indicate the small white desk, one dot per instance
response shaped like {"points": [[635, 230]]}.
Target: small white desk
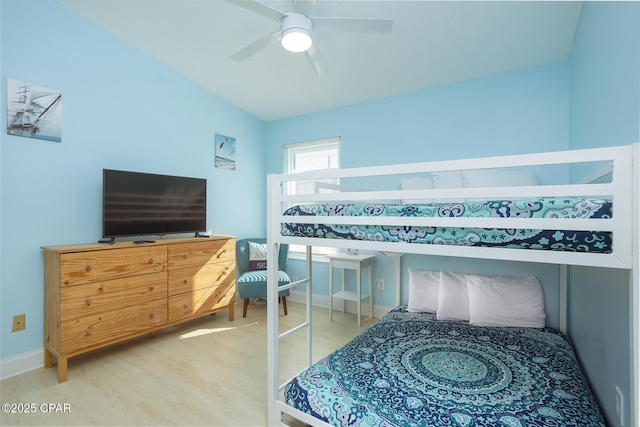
{"points": [[351, 262]]}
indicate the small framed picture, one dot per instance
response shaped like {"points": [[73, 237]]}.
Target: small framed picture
{"points": [[225, 152], [33, 111]]}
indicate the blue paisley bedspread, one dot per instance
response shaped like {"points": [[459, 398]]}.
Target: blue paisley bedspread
{"points": [[409, 369], [551, 207]]}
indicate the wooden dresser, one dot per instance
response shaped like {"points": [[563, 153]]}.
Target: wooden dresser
{"points": [[100, 294]]}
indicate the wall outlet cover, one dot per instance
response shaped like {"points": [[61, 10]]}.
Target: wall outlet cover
{"points": [[18, 322]]}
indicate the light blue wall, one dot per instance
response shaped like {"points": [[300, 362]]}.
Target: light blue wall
{"points": [[121, 110], [605, 111], [512, 113], [605, 66]]}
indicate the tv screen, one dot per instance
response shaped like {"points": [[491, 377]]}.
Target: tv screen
{"points": [[137, 204]]}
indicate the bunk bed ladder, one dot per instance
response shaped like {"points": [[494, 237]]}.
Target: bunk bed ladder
{"points": [[272, 305], [273, 346]]}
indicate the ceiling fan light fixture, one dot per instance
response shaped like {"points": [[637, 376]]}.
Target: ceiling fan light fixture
{"points": [[296, 40], [296, 32]]}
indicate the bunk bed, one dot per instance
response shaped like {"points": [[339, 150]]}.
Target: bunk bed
{"points": [[608, 195]]}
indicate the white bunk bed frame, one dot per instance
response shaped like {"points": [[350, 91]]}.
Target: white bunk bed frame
{"points": [[623, 189]]}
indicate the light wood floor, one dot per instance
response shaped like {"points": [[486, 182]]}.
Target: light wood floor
{"points": [[206, 372]]}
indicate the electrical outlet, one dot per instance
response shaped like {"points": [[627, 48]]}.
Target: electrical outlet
{"points": [[18, 322], [381, 284], [620, 406]]}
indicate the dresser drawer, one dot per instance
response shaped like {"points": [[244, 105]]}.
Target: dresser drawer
{"points": [[111, 326], [95, 266], [190, 304], [91, 298], [200, 277], [199, 253]]}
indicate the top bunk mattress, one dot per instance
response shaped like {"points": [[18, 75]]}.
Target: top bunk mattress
{"points": [[519, 238]]}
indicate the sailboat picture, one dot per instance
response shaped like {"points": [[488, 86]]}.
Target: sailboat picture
{"points": [[225, 152], [33, 111]]}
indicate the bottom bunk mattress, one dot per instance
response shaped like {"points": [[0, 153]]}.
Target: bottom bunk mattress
{"points": [[409, 369], [549, 207]]}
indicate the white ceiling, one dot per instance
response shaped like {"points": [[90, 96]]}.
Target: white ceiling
{"points": [[432, 43]]}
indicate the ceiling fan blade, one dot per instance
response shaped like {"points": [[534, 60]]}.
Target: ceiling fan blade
{"points": [[317, 61], [260, 9], [257, 46], [353, 25]]}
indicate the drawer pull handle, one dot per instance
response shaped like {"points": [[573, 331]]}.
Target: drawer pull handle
{"points": [[151, 316], [184, 256], [184, 281], [150, 260], [89, 332], [88, 301], [87, 268], [151, 289]]}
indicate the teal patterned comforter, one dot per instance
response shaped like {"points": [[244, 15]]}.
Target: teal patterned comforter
{"points": [[558, 240], [409, 369]]}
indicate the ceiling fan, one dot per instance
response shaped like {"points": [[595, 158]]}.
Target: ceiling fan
{"points": [[296, 29]]}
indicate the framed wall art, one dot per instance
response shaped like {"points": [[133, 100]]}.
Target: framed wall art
{"points": [[33, 111], [225, 152]]}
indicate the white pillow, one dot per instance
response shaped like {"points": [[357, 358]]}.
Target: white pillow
{"points": [[506, 301], [497, 178], [448, 179], [416, 184], [423, 290], [453, 297]]}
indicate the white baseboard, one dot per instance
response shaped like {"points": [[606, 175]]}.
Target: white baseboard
{"points": [[16, 365], [338, 304]]}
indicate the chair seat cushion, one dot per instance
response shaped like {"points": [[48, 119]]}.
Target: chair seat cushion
{"points": [[261, 276], [253, 284]]}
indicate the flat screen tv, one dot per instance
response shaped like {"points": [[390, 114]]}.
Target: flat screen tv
{"points": [[139, 204]]}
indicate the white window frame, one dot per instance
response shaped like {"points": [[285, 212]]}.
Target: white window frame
{"points": [[290, 153]]}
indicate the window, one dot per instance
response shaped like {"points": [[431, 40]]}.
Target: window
{"points": [[311, 156]]}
